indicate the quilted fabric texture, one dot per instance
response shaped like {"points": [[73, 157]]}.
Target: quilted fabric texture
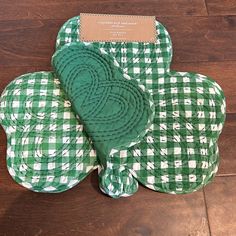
{"points": [[136, 59], [179, 154], [115, 110], [47, 149]]}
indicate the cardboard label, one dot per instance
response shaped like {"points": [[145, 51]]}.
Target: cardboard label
{"points": [[117, 28]]}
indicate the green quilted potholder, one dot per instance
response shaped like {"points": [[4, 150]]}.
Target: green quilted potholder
{"points": [[179, 153], [47, 150], [115, 110]]}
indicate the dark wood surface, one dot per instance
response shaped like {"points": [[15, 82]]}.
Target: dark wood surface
{"points": [[204, 41]]}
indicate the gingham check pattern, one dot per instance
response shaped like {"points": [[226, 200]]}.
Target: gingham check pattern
{"points": [[141, 61], [47, 149], [179, 154]]}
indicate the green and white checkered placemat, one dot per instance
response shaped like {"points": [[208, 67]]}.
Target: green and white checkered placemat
{"points": [[47, 148], [48, 151], [179, 154]]}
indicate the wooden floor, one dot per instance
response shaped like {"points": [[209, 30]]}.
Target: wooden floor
{"points": [[204, 40]]}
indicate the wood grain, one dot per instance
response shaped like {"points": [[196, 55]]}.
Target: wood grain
{"points": [[59, 9], [219, 7], [198, 39], [84, 210], [195, 39], [227, 147], [28, 42], [220, 199]]}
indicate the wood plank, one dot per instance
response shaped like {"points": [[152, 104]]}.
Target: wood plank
{"points": [[4, 176], [219, 7], [28, 42], [227, 147], [220, 200], [195, 39], [222, 72], [51, 9], [198, 39], [84, 210]]}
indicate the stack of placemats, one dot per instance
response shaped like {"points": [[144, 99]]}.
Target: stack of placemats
{"points": [[51, 150]]}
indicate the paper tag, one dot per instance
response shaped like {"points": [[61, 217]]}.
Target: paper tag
{"points": [[117, 28]]}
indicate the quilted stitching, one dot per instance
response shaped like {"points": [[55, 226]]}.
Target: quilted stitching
{"points": [[115, 109], [47, 148], [179, 154]]}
